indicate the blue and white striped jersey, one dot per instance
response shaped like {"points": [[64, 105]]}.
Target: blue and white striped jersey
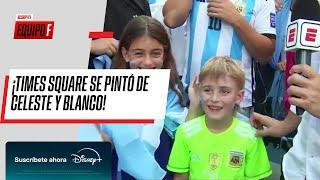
{"points": [[205, 43]]}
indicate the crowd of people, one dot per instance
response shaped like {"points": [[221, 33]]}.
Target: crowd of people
{"points": [[211, 129]]}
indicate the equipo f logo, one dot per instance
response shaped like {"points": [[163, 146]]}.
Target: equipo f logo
{"points": [[27, 28], [81, 157]]}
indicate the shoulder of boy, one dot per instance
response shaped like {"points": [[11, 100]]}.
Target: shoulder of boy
{"points": [[191, 127], [244, 129]]}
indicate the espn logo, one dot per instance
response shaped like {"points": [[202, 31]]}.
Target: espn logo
{"points": [[292, 35], [311, 34], [24, 17], [27, 28]]}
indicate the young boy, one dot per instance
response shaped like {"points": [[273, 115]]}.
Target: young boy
{"points": [[217, 145]]}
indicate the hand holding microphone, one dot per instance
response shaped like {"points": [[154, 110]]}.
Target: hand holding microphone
{"points": [[304, 91], [303, 33]]}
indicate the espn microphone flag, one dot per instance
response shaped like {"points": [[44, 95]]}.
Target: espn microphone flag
{"points": [[303, 31], [303, 34]]}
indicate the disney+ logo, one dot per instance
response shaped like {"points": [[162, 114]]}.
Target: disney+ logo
{"points": [[80, 157]]}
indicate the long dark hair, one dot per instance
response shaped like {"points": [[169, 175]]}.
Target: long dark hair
{"points": [[139, 27]]}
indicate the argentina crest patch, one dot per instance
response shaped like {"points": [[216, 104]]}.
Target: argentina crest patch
{"points": [[235, 159]]}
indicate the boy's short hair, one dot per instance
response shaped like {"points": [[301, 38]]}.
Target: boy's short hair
{"points": [[223, 66]]}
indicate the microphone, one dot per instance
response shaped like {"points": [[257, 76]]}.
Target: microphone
{"points": [[303, 33]]}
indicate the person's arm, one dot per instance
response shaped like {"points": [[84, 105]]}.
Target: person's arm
{"points": [[273, 127], [175, 12], [194, 112], [195, 109], [282, 65], [279, 4], [180, 176], [304, 91], [103, 135], [259, 46], [104, 46]]}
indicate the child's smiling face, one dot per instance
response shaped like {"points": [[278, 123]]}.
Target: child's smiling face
{"points": [[219, 96], [144, 53]]}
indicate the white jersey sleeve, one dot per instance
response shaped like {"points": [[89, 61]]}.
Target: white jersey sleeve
{"points": [[265, 17]]}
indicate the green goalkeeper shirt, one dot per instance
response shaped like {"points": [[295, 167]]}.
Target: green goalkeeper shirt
{"points": [[235, 153]]}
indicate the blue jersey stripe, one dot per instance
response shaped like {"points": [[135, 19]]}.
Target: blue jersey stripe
{"points": [[193, 19], [211, 45], [237, 45]]}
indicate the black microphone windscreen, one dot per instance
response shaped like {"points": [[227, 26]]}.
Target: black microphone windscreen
{"points": [[306, 9]]}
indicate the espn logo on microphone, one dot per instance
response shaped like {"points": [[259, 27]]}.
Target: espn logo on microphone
{"points": [[27, 28], [292, 35], [303, 34], [311, 34]]}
